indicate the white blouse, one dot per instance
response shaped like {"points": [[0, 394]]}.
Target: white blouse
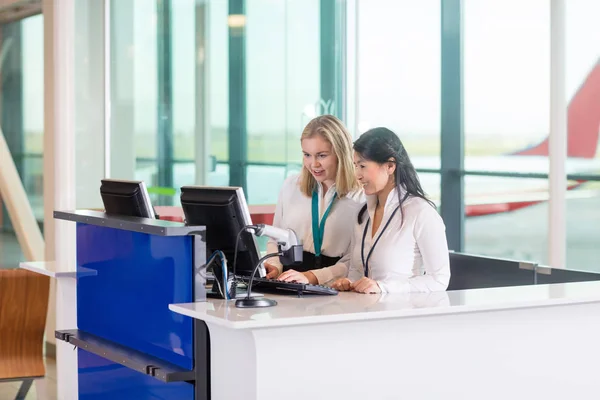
{"points": [[294, 211], [411, 255]]}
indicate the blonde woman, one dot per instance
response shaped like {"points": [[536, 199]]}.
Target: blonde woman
{"points": [[320, 205]]}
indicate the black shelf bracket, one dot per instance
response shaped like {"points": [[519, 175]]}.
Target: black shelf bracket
{"points": [[128, 357]]}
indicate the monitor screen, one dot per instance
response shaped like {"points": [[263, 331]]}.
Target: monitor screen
{"points": [[131, 198], [224, 212]]}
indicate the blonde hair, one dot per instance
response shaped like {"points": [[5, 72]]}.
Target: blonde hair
{"points": [[333, 130]]}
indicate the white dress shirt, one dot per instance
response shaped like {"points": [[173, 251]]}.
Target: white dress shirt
{"points": [[294, 211], [411, 255]]}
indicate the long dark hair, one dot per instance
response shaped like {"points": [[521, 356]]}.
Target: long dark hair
{"points": [[382, 145]]}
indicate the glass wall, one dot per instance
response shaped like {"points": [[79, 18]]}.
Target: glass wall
{"points": [[398, 63], [217, 92], [506, 114], [22, 104], [134, 91], [583, 163], [89, 103], [506, 75], [226, 87], [282, 44]]}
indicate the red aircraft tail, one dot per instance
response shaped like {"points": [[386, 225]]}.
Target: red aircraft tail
{"points": [[583, 121]]}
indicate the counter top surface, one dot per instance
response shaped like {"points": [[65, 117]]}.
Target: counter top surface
{"points": [[54, 270], [344, 307], [144, 225]]}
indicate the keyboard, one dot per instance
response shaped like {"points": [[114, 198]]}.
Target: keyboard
{"points": [[280, 287]]}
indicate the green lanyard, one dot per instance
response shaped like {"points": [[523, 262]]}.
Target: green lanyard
{"points": [[319, 229]]}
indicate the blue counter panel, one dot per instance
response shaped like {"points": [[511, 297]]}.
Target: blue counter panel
{"points": [[101, 379], [138, 276]]}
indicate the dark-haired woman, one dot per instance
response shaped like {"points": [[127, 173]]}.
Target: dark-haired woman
{"points": [[399, 243]]}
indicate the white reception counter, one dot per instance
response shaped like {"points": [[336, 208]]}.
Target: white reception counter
{"points": [[519, 342]]}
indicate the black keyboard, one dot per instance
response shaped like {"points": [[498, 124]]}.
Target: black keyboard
{"points": [[280, 287]]}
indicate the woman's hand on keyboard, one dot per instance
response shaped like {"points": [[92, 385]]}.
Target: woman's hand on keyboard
{"points": [[293, 276], [342, 284], [272, 270]]}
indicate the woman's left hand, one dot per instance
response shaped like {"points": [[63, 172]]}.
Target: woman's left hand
{"points": [[366, 285], [293, 276]]}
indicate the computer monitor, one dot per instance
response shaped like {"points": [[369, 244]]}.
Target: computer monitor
{"points": [[224, 212], [122, 197]]}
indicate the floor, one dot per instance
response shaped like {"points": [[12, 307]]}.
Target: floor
{"points": [[42, 389]]}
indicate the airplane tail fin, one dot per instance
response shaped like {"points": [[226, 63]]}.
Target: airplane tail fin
{"points": [[583, 126]]}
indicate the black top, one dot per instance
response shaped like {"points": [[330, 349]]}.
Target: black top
{"points": [[310, 261]]}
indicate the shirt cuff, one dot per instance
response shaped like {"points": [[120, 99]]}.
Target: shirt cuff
{"points": [[275, 262], [272, 248], [323, 275], [279, 266]]}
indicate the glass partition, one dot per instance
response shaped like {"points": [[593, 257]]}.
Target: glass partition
{"points": [[22, 106]]}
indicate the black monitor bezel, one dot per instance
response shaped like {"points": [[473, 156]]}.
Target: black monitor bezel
{"points": [[147, 212], [241, 209]]}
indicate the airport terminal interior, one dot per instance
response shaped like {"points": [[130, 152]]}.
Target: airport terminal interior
{"points": [[496, 101]]}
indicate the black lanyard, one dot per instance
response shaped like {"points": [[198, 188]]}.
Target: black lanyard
{"points": [[362, 248]]}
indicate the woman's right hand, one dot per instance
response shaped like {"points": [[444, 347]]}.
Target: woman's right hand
{"points": [[272, 270], [342, 284]]}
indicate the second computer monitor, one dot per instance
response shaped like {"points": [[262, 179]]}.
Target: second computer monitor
{"points": [[224, 212], [127, 198]]}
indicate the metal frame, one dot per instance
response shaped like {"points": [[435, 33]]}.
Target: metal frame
{"points": [[500, 174], [201, 352], [238, 130], [332, 58], [341, 26], [558, 142], [164, 125], [59, 174], [452, 134], [126, 356], [201, 333], [156, 227], [202, 79], [12, 102], [106, 35]]}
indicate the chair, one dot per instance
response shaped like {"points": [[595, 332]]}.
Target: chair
{"points": [[23, 307]]}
